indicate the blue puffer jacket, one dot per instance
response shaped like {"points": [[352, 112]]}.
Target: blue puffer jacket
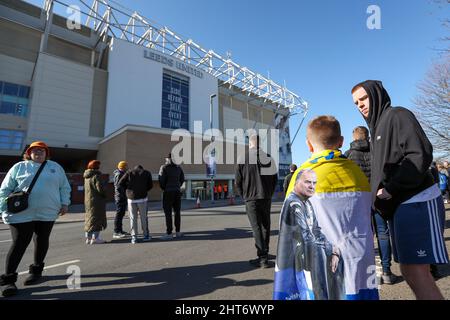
{"points": [[51, 191]]}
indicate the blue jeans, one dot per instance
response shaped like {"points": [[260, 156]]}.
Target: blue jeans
{"points": [[384, 244]]}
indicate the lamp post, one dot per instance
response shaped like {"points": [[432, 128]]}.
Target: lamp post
{"points": [[211, 97]]}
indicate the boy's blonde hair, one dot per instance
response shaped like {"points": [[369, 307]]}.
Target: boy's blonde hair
{"points": [[324, 131]]}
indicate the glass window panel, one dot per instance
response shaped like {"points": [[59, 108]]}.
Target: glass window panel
{"points": [[1, 87], [19, 133], [24, 91], [10, 89], [8, 107]]}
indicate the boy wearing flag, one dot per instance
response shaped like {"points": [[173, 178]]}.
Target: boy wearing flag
{"points": [[342, 204]]}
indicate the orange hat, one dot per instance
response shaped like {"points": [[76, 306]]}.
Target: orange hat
{"points": [[94, 164], [38, 144], [122, 165]]}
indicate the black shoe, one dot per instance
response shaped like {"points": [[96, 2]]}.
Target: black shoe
{"points": [[388, 278], [7, 283], [35, 276], [255, 262]]}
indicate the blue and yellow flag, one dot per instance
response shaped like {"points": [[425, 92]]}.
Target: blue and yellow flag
{"points": [[342, 208]]}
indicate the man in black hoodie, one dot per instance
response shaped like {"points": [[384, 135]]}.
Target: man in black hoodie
{"points": [[256, 178], [171, 178], [403, 187], [360, 153]]}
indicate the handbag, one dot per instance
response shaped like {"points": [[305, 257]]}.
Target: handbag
{"points": [[18, 201]]}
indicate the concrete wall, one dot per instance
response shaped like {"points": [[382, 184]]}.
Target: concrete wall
{"points": [[60, 111], [135, 90]]}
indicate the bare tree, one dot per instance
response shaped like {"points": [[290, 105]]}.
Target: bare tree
{"points": [[433, 106]]}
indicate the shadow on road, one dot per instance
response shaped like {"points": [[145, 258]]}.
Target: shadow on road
{"points": [[224, 234], [170, 283]]}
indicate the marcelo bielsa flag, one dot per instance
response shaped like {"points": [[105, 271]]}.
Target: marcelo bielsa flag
{"points": [[338, 216]]}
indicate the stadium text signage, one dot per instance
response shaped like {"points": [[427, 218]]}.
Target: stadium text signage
{"points": [[172, 63]]}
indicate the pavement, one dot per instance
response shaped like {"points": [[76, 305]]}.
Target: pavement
{"points": [[209, 262]]}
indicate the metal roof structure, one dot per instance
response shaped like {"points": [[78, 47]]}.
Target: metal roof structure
{"points": [[108, 21]]}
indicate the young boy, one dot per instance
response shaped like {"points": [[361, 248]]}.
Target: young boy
{"points": [[342, 204]]}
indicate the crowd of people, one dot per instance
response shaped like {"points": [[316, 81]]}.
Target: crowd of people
{"points": [[386, 185]]}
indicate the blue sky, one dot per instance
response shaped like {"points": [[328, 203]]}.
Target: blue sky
{"points": [[320, 48]]}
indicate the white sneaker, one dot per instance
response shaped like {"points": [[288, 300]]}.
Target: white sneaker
{"points": [[97, 241], [88, 241], [167, 237]]}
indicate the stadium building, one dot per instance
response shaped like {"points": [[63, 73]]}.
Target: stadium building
{"points": [[101, 83]]}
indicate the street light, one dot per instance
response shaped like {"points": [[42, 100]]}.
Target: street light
{"points": [[211, 97]]}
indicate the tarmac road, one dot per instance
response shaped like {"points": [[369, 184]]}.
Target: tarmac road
{"points": [[209, 262]]}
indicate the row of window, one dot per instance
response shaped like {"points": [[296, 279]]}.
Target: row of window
{"points": [[11, 139], [14, 99]]}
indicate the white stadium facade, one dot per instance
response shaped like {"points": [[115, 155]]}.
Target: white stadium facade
{"points": [[106, 84]]}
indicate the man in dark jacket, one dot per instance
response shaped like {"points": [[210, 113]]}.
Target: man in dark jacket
{"points": [[288, 178], [256, 179], [137, 183], [171, 178], [403, 187], [121, 200], [360, 153]]}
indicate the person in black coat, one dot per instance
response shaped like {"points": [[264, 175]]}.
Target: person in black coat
{"points": [[360, 153], [404, 190], [256, 177], [171, 178]]}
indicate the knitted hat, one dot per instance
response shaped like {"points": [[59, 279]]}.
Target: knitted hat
{"points": [[94, 164], [122, 165], [37, 144]]}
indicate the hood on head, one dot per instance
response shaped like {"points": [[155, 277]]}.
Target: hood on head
{"points": [[89, 173], [379, 101]]}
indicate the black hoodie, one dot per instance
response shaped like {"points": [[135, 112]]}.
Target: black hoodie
{"points": [[401, 152]]}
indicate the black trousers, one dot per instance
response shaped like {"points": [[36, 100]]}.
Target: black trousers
{"points": [[172, 200], [121, 207], [21, 236], [258, 212]]}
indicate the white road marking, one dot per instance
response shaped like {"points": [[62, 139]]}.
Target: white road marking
{"points": [[54, 266]]}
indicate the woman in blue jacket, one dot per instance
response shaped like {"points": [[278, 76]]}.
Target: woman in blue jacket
{"points": [[49, 198]]}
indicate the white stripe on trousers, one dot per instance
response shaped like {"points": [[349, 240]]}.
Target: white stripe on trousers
{"points": [[440, 228], [436, 232]]}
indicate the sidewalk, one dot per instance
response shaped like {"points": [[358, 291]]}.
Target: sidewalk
{"points": [[76, 212]]}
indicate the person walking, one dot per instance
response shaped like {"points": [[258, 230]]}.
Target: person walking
{"points": [[404, 190], [48, 199], [288, 178], [256, 179], [95, 203], [171, 178], [120, 199], [359, 152], [137, 183]]}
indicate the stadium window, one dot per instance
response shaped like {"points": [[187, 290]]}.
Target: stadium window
{"points": [[8, 107], [11, 139], [14, 99], [24, 92], [10, 89]]}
